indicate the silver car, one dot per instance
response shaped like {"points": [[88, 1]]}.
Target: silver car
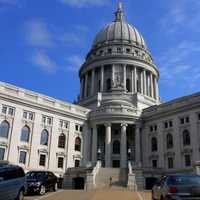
{"points": [[12, 182], [177, 187]]}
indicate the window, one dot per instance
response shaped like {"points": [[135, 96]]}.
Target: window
{"points": [[186, 138], [199, 116], [4, 129], [116, 147], [8, 110], [187, 119], [60, 162], [170, 123], [128, 85], [64, 124], [77, 127], [2, 153], [154, 144], [108, 84], [22, 157], [61, 141], [42, 160], [77, 144], [77, 163], [44, 137], [109, 50], [119, 49], [25, 134], [166, 124], [184, 120], [81, 129], [47, 120], [154, 163], [28, 115], [170, 162], [169, 141], [128, 50], [187, 160]]}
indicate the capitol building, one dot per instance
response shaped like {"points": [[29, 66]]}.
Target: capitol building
{"points": [[119, 128]]}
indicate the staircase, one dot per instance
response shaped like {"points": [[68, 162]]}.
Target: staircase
{"points": [[119, 178]]}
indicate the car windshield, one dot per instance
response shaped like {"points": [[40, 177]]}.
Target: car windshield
{"points": [[184, 180], [35, 175]]}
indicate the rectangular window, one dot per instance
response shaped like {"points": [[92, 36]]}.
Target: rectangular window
{"points": [[11, 111], [182, 121], [187, 119], [155, 128], [166, 124], [30, 115], [170, 162], [81, 128], [154, 163], [22, 157], [2, 153], [199, 116], [4, 109], [25, 115], [64, 124], [187, 160], [170, 123], [42, 160], [77, 127], [60, 162], [77, 163], [47, 120]]}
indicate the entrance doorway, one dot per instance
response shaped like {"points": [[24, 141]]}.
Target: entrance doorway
{"points": [[116, 163], [79, 183]]}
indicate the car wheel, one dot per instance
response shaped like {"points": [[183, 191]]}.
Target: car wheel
{"points": [[42, 190], [55, 188], [20, 196]]}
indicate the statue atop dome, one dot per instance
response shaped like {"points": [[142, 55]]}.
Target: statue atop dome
{"points": [[119, 13]]}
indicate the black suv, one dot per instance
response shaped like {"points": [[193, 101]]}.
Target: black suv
{"points": [[12, 182], [41, 182]]}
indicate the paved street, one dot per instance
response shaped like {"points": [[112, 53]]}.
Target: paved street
{"points": [[93, 195]]}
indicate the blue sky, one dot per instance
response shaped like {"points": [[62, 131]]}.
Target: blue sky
{"points": [[43, 42]]}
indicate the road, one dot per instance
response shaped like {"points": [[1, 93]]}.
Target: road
{"points": [[92, 195]]}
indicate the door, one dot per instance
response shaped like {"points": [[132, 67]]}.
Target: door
{"points": [[116, 164]]}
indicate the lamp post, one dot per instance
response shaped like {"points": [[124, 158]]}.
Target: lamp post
{"points": [[99, 154], [129, 154]]}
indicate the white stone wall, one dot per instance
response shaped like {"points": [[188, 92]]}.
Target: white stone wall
{"points": [[22, 100]]}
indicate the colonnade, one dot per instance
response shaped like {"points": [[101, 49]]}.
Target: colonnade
{"points": [[123, 143], [140, 80]]}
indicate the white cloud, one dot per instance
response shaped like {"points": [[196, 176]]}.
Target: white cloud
{"points": [[74, 63], [38, 34], [84, 3], [44, 62], [181, 14]]}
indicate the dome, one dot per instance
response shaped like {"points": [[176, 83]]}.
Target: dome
{"points": [[119, 30]]}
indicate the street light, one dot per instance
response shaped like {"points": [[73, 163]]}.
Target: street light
{"points": [[99, 154], [129, 154]]}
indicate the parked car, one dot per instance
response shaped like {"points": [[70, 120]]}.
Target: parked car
{"points": [[12, 182], [177, 187], [41, 181]]}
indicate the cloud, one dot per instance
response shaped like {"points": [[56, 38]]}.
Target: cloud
{"points": [[44, 62], [37, 34], [175, 64], [74, 63], [181, 14], [84, 3]]}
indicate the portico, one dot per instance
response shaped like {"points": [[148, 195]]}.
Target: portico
{"points": [[114, 143]]}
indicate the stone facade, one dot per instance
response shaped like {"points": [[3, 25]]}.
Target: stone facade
{"points": [[119, 121]]}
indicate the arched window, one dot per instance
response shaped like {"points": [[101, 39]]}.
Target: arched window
{"points": [[116, 147], [61, 141], [78, 144], [128, 85], [4, 129], [154, 144], [25, 134], [108, 84], [44, 137], [169, 141], [186, 137]]}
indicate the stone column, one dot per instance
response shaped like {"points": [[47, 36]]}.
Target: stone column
{"points": [[108, 145], [94, 143], [137, 146], [144, 82], [156, 88], [132, 81], [102, 78], [141, 83], [93, 81], [86, 84], [135, 79], [124, 69], [123, 148], [151, 84]]}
